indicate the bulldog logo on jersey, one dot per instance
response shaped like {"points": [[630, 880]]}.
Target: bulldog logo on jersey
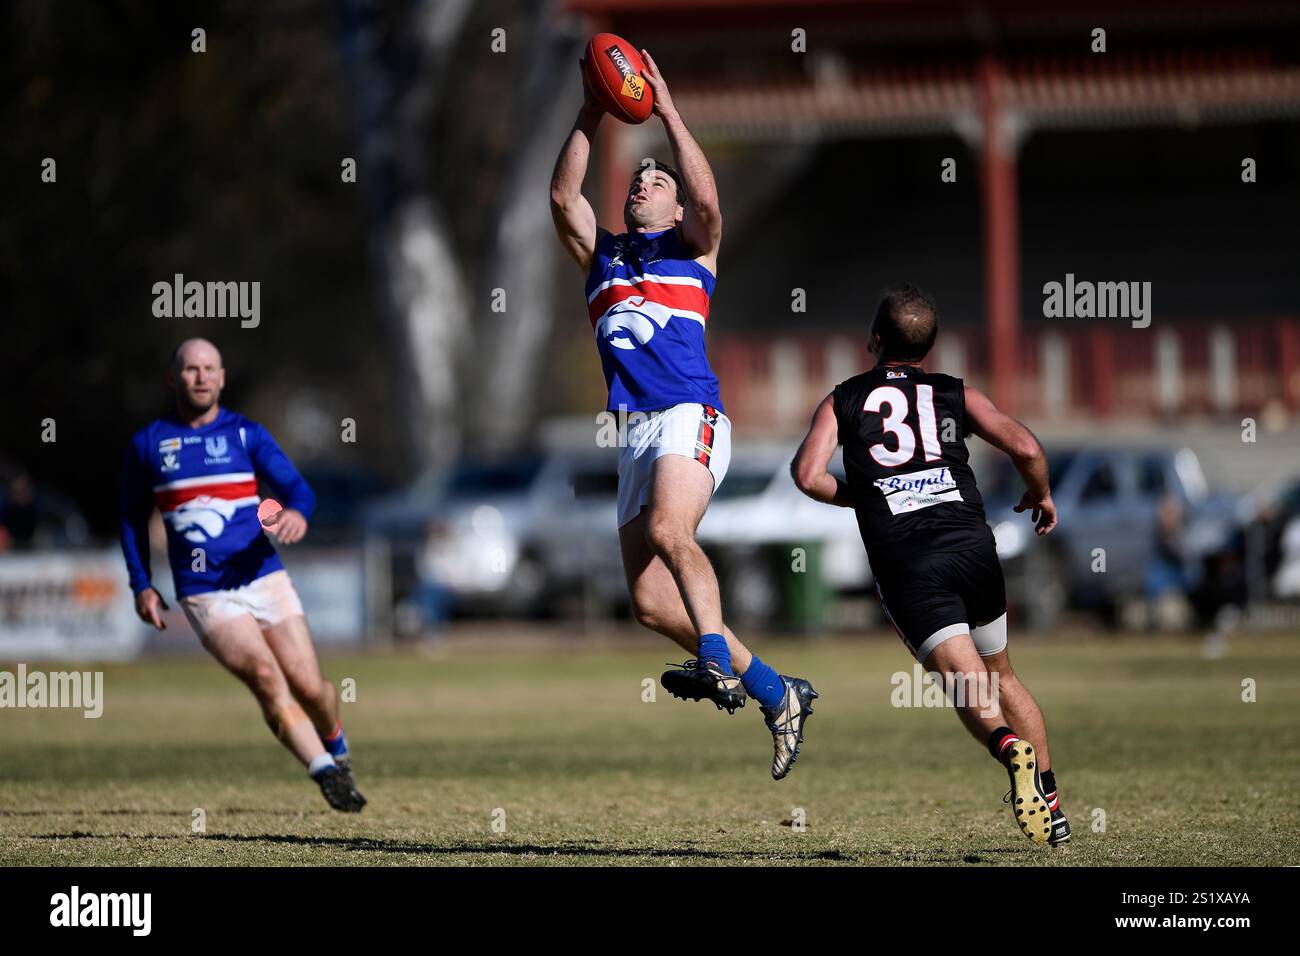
{"points": [[631, 323], [202, 519]]}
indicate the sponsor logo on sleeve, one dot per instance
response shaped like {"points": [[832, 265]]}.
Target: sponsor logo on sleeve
{"points": [[169, 450]]}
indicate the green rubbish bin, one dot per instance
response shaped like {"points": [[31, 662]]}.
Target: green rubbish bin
{"points": [[805, 597]]}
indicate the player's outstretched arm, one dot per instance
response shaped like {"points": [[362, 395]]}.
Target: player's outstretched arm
{"points": [[271, 463], [135, 507], [809, 465], [702, 216], [575, 222], [1019, 444]]}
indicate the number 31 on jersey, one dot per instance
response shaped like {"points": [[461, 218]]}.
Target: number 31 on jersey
{"points": [[891, 403]]}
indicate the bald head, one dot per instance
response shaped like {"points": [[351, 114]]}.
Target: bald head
{"points": [[194, 348], [197, 376], [905, 325]]}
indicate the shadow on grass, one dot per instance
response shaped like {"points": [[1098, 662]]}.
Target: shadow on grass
{"points": [[688, 850], [127, 812], [950, 858]]}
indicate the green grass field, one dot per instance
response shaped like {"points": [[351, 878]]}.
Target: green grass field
{"points": [[1146, 730]]}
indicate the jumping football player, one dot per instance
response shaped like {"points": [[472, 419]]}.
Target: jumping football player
{"points": [[200, 469], [922, 520], [647, 296]]}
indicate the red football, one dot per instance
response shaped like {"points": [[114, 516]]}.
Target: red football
{"points": [[616, 74]]}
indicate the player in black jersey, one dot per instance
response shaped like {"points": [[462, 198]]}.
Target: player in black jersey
{"points": [[931, 550]]}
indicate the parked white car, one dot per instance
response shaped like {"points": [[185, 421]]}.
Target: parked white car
{"points": [[757, 505]]}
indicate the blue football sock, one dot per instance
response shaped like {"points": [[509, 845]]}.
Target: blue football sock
{"points": [[763, 684], [713, 648], [336, 743]]}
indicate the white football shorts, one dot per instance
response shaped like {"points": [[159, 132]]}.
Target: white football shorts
{"points": [[270, 599], [696, 431]]}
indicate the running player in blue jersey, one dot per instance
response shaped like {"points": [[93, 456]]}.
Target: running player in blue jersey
{"points": [[931, 550], [200, 469], [647, 294]]}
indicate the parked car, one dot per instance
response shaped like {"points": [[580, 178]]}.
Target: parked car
{"points": [[341, 496], [757, 507], [526, 535], [497, 535], [1108, 501]]}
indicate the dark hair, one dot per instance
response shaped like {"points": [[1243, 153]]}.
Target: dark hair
{"points": [[652, 163], [906, 322]]}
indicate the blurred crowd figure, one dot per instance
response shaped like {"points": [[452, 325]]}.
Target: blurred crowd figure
{"points": [[1276, 539], [1223, 593], [1183, 586], [18, 518], [32, 519], [1168, 569]]}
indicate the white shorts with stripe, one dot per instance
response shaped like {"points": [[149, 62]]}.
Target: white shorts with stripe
{"points": [[696, 431]]}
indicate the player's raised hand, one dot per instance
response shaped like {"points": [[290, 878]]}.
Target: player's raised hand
{"points": [[663, 100], [288, 525], [1043, 512], [147, 605]]}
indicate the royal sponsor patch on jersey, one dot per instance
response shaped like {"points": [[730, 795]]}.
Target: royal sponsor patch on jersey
{"points": [[920, 489]]}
